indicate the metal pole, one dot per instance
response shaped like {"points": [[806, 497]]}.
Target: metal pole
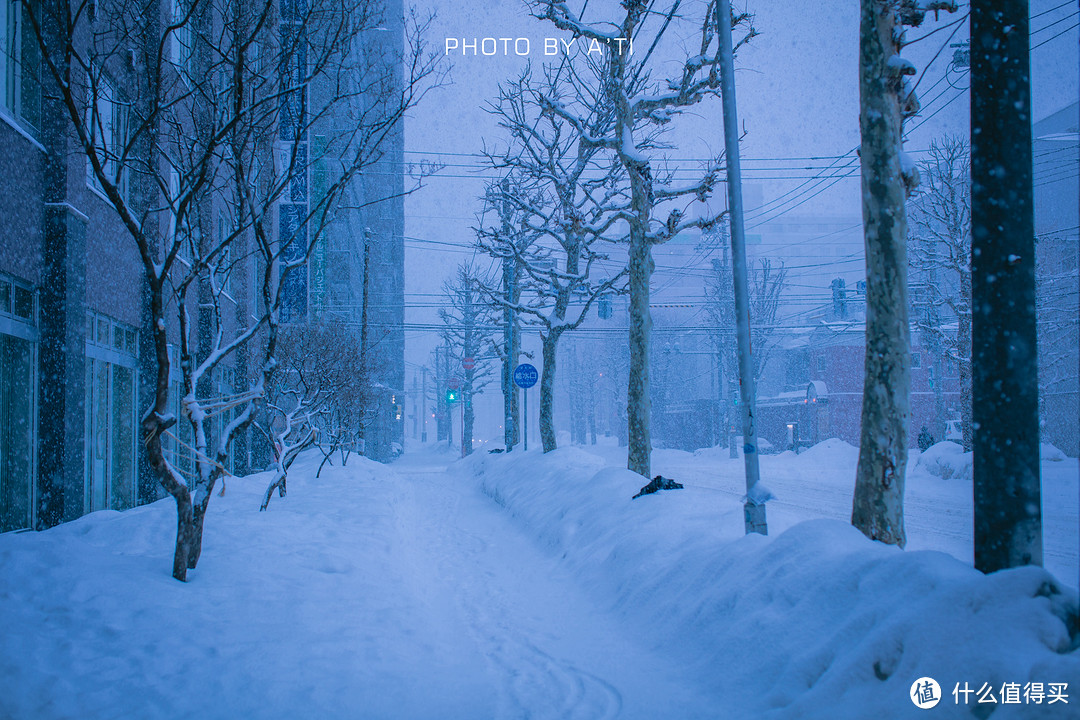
{"points": [[423, 404], [525, 420], [1004, 377], [753, 510]]}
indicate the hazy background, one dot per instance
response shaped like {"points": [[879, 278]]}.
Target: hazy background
{"points": [[797, 93]]}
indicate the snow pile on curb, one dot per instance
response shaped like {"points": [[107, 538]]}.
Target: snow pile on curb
{"points": [[817, 622], [946, 460], [1051, 453]]}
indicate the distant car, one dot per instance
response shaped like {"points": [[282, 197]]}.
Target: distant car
{"points": [[953, 431]]}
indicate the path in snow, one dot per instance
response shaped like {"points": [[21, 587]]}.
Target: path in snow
{"points": [[374, 592], [548, 651]]}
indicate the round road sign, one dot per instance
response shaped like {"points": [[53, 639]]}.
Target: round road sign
{"points": [[525, 376]]}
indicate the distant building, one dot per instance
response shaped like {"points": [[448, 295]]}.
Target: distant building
{"points": [[824, 386]]}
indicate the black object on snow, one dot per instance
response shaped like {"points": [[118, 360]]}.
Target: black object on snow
{"points": [[658, 483]]}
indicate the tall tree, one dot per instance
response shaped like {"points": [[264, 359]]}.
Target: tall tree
{"points": [[940, 258], [767, 285], [886, 98], [469, 333], [568, 197], [642, 106]]}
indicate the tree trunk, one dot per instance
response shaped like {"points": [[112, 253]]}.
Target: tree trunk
{"points": [[468, 414], [547, 391], [963, 343], [185, 536], [276, 483], [198, 516], [638, 403], [878, 505]]}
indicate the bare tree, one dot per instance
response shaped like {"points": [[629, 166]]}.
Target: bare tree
{"points": [[568, 196], [206, 112], [1058, 310], [469, 333], [316, 397], [641, 107], [886, 98], [766, 290], [940, 260]]}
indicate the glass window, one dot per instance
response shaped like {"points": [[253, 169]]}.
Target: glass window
{"points": [[20, 65], [16, 432], [7, 67], [122, 418], [181, 46], [98, 431], [5, 296], [23, 305], [29, 101], [110, 436]]}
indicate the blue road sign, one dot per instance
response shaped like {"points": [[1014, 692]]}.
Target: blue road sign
{"points": [[525, 376]]}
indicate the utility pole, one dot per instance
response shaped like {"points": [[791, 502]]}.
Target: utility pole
{"points": [[365, 435], [511, 333], [440, 396], [449, 410], [754, 507], [423, 404], [1005, 387]]}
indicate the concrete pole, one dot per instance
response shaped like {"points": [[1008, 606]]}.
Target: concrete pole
{"points": [[1004, 358], [753, 510]]}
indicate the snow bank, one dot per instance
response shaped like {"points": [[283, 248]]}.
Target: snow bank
{"points": [[946, 460], [817, 622], [833, 452], [1051, 453]]}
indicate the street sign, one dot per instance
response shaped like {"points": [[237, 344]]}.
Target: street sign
{"points": [[525, 376], [468, 363], [454, 383]]}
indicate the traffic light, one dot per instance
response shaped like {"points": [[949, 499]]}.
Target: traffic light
{"points": [[451, 397]]}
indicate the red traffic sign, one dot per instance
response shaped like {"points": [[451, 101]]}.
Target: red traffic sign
{"points": [[468, 363], [454, 383]]}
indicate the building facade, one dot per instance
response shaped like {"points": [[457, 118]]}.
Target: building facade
{"points": [[77, 361]]}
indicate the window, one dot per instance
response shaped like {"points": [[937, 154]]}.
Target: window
{"points": [[20, 65], [916, 360], [17, 391], [110, 414], [181, 45], [16, 431], [107, 123]]}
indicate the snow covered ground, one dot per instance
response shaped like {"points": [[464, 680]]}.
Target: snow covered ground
{"points": [[532, 586]]}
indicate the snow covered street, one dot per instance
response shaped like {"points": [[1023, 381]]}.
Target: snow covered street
{"points": [[524, 586]]}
